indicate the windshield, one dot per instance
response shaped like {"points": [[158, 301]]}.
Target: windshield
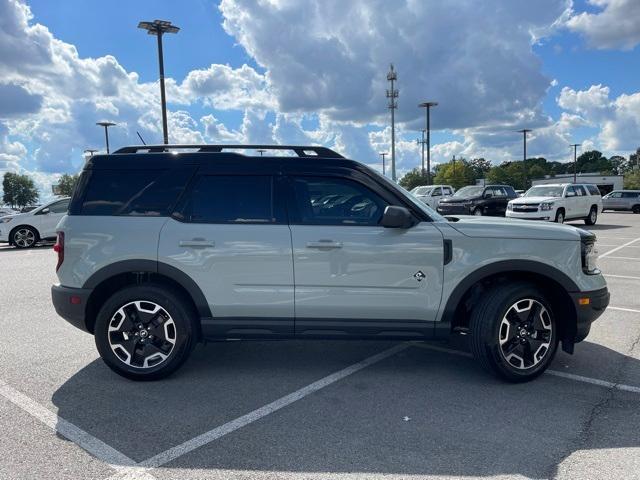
{"points": [[545, 191], [435, 216], [422, 190], [469, 192]]}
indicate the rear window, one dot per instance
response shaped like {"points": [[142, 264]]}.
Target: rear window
{"points": [[230, 199], [593, 190], [132, 192]]}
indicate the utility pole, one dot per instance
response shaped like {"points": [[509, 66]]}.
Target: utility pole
{"points": [[158, 28], [524, 132], [575, 161], [106, 126], [383, 154], [421, 142], [392, 95], [427, 106], [261, 151]]}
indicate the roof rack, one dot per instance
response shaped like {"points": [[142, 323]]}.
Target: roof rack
{"points": [[301, 151]]}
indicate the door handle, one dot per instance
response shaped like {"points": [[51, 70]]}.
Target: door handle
{"points": [[197, 243], [328, 244]]}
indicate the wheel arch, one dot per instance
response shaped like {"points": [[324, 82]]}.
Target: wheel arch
{"points": [[555, 284], [111, 278]]}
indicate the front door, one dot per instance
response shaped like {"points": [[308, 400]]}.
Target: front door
{"points": [[47, 222], [354, 276], [233, 241]]}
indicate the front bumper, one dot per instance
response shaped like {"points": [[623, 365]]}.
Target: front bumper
{"points": [[71, 304], [546, 215], [589, 306]]}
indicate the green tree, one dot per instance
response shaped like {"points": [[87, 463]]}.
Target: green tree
{"points": [[413, 178], [632, 180], [457, 173], [66, 184], [480, 167], [18, 190]]}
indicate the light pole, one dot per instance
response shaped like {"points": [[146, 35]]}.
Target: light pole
{"points": [[392, 94], [524, 132], [575, 161], [106, 126], [261, 151], [421, 142], [427, 106], [158, 28], [383, 154]]}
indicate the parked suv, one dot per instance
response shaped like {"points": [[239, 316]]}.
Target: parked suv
{"points": [[25, 230], [622, 200], [165, 246], [557, 203], [478, 200], [431, 194]]}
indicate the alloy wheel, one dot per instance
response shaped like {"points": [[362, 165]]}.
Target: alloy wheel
{"points": [[525, 334], [24, 238], [593, 216], [142, 334]]}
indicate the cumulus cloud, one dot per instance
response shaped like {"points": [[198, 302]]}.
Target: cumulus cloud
{"points": [[615, 25]]}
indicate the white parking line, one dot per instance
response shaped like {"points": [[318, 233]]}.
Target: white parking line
{"points": [[624, 309], [84, 440], [621, 276], [577, 378], [634, 259], [618, 248], [133, 473]]}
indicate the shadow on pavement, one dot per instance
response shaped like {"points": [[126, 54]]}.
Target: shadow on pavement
{"points": [[461, 421]]}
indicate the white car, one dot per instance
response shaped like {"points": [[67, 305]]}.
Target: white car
{"points": [[24, 230], [557, 203], [431, 194]]}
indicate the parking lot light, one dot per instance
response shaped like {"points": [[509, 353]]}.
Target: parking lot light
{"points": [[106, 126]]}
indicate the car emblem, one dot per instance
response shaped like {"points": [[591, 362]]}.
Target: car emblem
{"points": [[419, 276]]}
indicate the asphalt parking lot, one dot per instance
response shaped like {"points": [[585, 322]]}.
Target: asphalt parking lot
{"points": [[317, 410]]}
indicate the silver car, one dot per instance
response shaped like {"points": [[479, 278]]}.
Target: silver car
{"points": [[622, 200]]}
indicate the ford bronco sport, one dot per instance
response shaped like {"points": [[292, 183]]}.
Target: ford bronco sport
{"points": [[164, 246]]}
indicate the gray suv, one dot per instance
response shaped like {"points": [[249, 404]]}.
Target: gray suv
{"points": [[622, 200], [165, 246]]}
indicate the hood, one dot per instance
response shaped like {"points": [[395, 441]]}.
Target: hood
{"points": [[497, 227], [534, 199], [459, 199]]}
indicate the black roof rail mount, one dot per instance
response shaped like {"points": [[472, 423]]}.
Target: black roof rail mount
{"points": [[306, 151]]}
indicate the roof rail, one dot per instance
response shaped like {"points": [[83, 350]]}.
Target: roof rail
{"points": [[300, 150]]}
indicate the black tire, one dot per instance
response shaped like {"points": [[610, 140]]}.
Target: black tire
{"points": [[487, 331], [593, 216], [635, 209], [24, 236], [560, 216], [175, 316], [477, 211]]}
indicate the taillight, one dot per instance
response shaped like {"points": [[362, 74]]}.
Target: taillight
{"points": [[59, 249]]}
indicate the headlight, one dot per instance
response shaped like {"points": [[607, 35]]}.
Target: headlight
{"points": [[509, 206], [5, 220], [546, 206], [589, 253]]}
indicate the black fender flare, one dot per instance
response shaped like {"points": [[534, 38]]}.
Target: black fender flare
{"points": [[505, 266], [151, 266]]}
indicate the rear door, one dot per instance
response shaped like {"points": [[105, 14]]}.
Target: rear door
{"points": [[353, 275], [231, 237]]}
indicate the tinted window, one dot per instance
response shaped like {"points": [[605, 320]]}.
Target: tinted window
{"points": [[571, 192], [336, 201], [133, 192], [580, 190], [630, 194], [230, 199], [498, 191], [593, 190], [446, 190], [437, 192], [59, 207]]}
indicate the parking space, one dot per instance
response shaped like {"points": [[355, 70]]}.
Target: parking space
{"points": [[317, 409]]}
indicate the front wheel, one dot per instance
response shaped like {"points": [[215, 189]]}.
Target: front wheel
{"points": [[593, 216], [145, 332], [478, 212], [513, 332], [560, 216]]}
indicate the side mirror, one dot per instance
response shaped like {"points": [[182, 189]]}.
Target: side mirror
{"points": [[44, 211], [396, 217]]}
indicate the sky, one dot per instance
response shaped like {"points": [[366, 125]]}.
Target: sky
{"points": [[314, 72]]}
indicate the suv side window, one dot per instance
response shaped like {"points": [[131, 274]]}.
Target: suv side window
{"points": [[499, 192], [580, 191], [437, 192], [630, 195], [336, 201], [593, 190], [446, 191], [570, 192], [59, 207], [230, 199]]}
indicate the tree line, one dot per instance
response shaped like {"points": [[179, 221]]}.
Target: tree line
{"points": [[520, 173], [20, 190]]}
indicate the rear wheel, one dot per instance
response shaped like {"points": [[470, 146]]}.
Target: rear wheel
{"points": [[593, 216], [635, 209], [145, 332], [24, 237], [560, 216], [513, 332], [478, 212]]}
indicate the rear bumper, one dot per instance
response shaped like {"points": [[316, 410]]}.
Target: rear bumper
{"points": [[71, 304], [589, 306]]}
